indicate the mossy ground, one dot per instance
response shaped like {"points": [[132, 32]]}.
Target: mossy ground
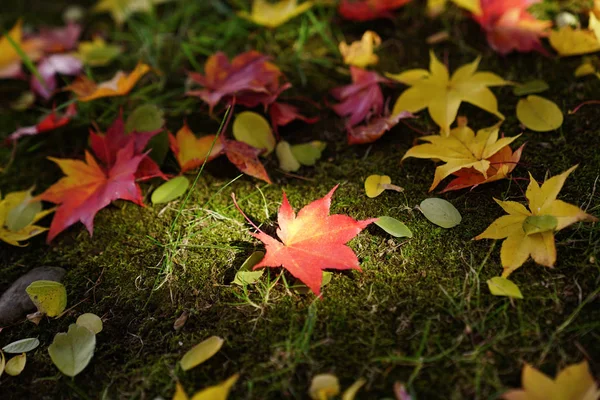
{"points": [[420, 311]]}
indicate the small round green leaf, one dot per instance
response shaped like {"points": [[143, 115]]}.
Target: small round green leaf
{"points": [[21, 346], [440, 212], [71, 352], [245, 275], [170, 190], [503, 287], [308, 153], [539, 114], [539, 223], [90, 321], [287, 160], [201, 352], [48, 296], [253, 129], [15, 365], [23, 214], [145, 118], [535, 86], [393, 227]]}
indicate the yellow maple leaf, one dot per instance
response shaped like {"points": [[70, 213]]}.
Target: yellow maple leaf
{"points": [[572, 383], [10, 61], [442, 94], [462, 148], [7, 204], [119, 85], [272, 15], [360, 53], [568, 41], [217, 392], [121, 10], [530, 231]]}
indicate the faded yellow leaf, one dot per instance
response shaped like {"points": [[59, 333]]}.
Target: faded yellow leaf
{"points": [[272, 15], [15, 365], [361, 52], [9, 203], [568, 41], [539, 114]]}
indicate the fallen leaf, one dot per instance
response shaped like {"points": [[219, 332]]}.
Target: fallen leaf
{"points": [[539, 114], [575, 382], [71, 352], [145, 118], [245, 275], [49, 297], [570, 41], [181, 320], [97, 53], [360, 99], [273, 15], [361, 52], [48, 123], [287, 160], [9, 203], [2, 363], [16, 365], [586, 68], [442, 94], [90, 321], [191, 151], [282, 114], [462, 148], [87, 188], [365, 10], [121, 10], [375, 128], [23, 213], [531, 87], [217, 392], [245, 158], [324, 387], [376, 184], [350, 393], [311, 241], [440, 212], [201, 352], [48, 68], [254, 130], [500, 286], [59, 40], [518, 246], [10, 60], [509, 26], [308, 153], [21, 346], [393, 227], [120, 85], [170, 190], [435, 7]]}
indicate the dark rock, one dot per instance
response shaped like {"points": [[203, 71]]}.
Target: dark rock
{"points": [[15, 303]]}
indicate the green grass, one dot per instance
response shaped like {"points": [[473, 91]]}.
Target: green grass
{"points": [[419, 312]]}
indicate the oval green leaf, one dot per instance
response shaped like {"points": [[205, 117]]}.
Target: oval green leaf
{"points": [[170, 190], [71, 352], [535, 86], [503, 287], [308, 153], [23, 214], [287, 161], [48, 296], [440, 212], [15, 365], [253, 129], [393, 227], [374, 184], [90, 321], [201, 352], [539, 114], [145, 118], [539, 223], [21, 346]]}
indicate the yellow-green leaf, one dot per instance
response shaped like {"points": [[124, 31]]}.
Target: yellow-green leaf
{"points": [[308, 153], [217, 392], [48, 296], [71, 352], [15, 365], [22, 346], [531, 87], [393, 227], [170, 190], [23, 214], [440, 212], [245, 275], [324, 387], [253, 129], [145, 118], [287, 160], [201, 352], [90, 321], [97, 53], [503, 287], [539, 114], [539, 223]]}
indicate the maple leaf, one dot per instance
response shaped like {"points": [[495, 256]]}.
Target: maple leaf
{"points": [[282, 114], [442, 94], [361, 52], [191, 151], [509, 26], [65, 64], [87, 188], [575, 382], [59, 40], [375, 128], [502, 164], [245, 158], [50, 122], [249, 78], [106, 148], [360, 99], [311, 241], [365, 10], [119, 85], [9, 202], [10, 60], [121, 10], [530, 232], [461, 149], [568, 41], [272, 15]]}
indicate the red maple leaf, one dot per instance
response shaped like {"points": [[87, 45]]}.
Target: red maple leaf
{"points": [[87, 188], [509, 26], [360, 99], [502, 163], [249, 78], [375, 128], [282, 114], [365, 10], [106, 147], [311, 241], [50, 122], [245, 158]]}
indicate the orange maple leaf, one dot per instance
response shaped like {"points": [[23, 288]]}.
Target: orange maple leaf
{"points": [[119, 85], [191, 151]]}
